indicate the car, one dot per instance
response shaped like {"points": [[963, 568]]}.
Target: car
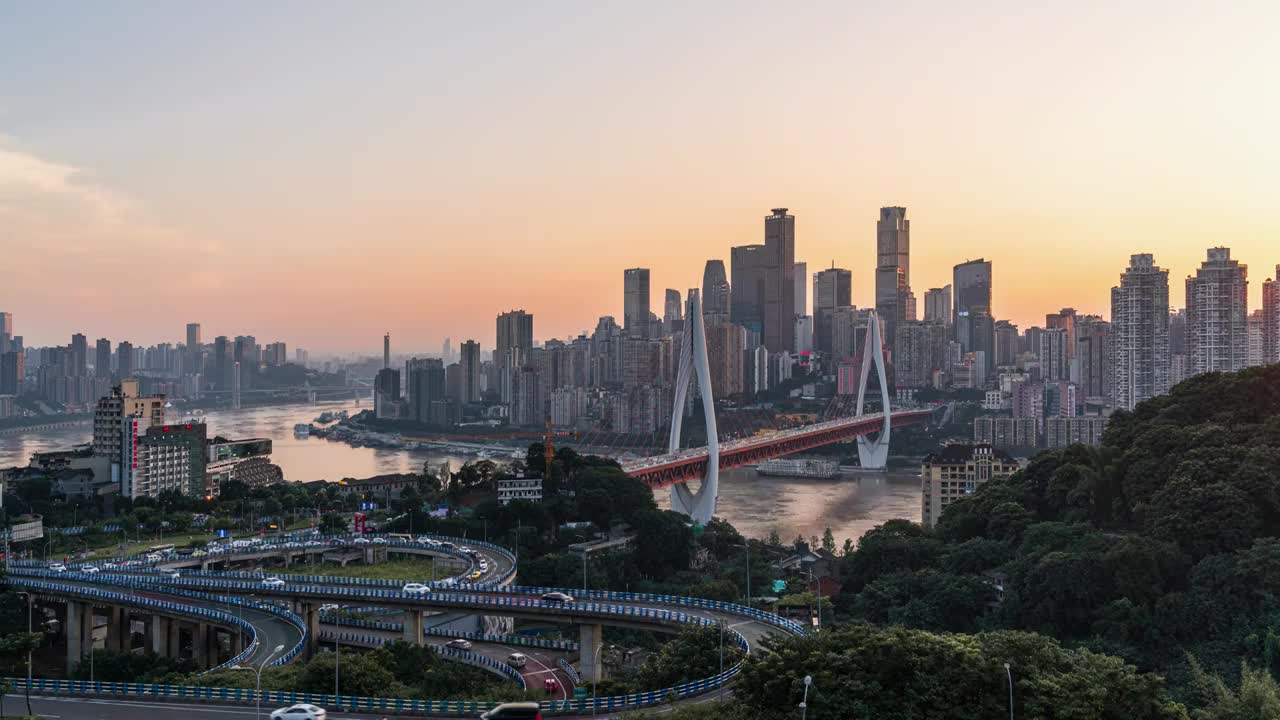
{"points": [[58, 567], [154, 557], [361, 541], [273, 582], [459, 644], [415, 588], [380, 541], [484, 567], [448, 582], [301, 711], [314, 543], [517, 660], [476, 575], [88, 569], [171, 574], [110, 566], [514, 711], [199, 553], [464, 549], [328, 607], [557, 597], [424, 540]]}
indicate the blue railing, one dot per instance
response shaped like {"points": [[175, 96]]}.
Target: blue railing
{"points": [[522, 640], [469, 658]]}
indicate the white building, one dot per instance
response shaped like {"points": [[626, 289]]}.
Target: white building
{"points": [[1140, 327], [519, 488]]}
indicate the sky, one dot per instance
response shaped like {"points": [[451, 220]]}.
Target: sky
{"points": [[324, 172]]}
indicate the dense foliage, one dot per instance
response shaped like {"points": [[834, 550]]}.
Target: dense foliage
{"points": [[1162, 542]]}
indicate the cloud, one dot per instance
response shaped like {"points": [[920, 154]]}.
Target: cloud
{"points": [[32, 186]]}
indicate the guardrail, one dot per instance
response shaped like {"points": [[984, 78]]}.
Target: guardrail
{"points": [[521, 640], [570, 670], [469, 658]]}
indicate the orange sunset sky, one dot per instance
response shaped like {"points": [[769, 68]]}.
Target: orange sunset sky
{"points": [[323, 172]]}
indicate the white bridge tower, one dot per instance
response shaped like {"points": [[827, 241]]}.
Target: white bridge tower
{"points": [[700, 506], [874, 454]]}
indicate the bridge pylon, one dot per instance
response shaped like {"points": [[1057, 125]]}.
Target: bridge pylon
{"points": [[700, 506], [874, 454]]}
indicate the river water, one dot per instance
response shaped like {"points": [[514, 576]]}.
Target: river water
{"points": [[755, 505]]}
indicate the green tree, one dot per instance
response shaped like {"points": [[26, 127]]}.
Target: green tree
{"points": [[828, 541]]}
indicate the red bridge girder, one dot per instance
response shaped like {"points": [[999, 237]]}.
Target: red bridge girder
{"points": [[695, 468]]}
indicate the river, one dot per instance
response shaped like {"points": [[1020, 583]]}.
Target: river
{"points": [[755, 505]]}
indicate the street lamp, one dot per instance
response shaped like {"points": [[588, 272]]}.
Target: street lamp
{"points": [[746, 546], [595, 656], [804, 703], [1009, 673], [30, 602], [258, 673]]}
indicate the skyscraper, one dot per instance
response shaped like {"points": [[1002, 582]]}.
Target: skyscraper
{"points": [[1271, 318], [514, 338], [673, 313], [1054, 361], [893, 268], [972, 317], [124, 359], [79, 355], [1093, 366], [832, 290], [102, 358], [748, 265], [386, 350], [1065, 319], [937, 305], [635, 302], [470, 362], [193, 337], [778, 326], [6, 331], [715, 289], [1218, 314], [426, 384], [802, 289], [1140, 333]]}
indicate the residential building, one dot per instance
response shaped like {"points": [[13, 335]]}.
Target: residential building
{"points": [[1065, 319], [568, 405], [386, 393], [1028, 400], [113, 410], [956, 471], [11, 373], [425, 380], [635, 302], [1140, 333], [1065, 431], [1217, 314], [1257, 345], [1271, 318], [527, 401], [520, 487], [1055, 361], [160, 458], [1008, 343], [1007, 433], [470, 361], [725, 344], [919, 350], [1092, 368], [102, 358], [937, 305]]}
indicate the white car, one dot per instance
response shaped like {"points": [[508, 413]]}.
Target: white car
{"points": [[58, 567], [171, 574], [301, 711], [110, 566], [88, 569], [154, 557], [380, 541], [361, 541], [328, 607], [464, 549], [273, 582], [415, 588], [459, 644], [424, 540], [558, 597]]}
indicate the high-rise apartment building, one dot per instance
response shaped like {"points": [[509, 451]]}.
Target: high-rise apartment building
{"points": [[635, 302], [11, 373], [919, 351], [1093, 367], [124, 360], [893, 267], [193, 337], [426, 383], [159, 458], [386, 350], [725, 345], [778, 327], [832, 289], [1257, 346], [1140, 333], [527, 402], [1271, 318], [956, 471], [937, 305], [79, 348], [109, 422], [1055, 363], [386, 393], [514, 338], [1065, 319], [1217, 314], [470, 361], [1008, 343], [6, 332], [716, 293], [102, 358], [972, 318]]}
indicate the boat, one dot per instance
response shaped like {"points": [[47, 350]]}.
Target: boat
{"points": [[802, 468], [302, 429]]}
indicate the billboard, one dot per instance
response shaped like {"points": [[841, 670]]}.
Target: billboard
{"points": [[27, 529]]}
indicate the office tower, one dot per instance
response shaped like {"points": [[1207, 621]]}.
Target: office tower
{"points": [[446, 351], [102, 358], [11, 371], [893, 267], [937, 305], [124, 359], [514, 338], [801, 305], [1271, 318], [453, 382], [1065, 319], [1094, 367], [470, 362], [386, 393], [716, 293], [778, 323], [972, 318], [246, 351], [635, 302], [221, 379], [79, 355], [748, 265], [1217, 314], [919, 351], [832, 289], [426, 380], [1007, 343], [386, 350], [1055, 364], [193, 337], [672, 313], [1140, 328], [6, 331]]}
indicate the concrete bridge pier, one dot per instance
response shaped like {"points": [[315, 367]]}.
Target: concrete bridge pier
{"points": [[118, 639], [200, 645], [310, 614], [590, 640], [75, 633], [413, 627], [158, 641]]}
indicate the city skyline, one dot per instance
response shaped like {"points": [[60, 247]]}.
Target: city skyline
{"points": [[399, 185]]}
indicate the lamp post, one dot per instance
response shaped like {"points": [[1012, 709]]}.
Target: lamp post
{"points": [[1009, 673], [594, 675], [720, 627], [258, 673], [804, 702], [746, 546], [30, 602]]}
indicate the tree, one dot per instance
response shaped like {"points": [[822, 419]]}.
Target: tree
{"points": [[333, 524], [692, 655], [828, 541]]}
